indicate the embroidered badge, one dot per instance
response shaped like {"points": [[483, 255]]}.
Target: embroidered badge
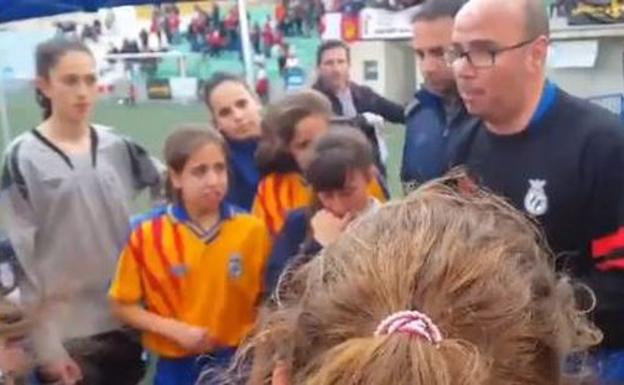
{"points": [[235, 266], [179, 271], [536, 201]]}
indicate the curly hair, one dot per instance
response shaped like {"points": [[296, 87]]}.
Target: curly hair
{"points": [[479, 269]]}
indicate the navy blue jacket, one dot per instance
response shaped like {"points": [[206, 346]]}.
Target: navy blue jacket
{"points": [[291, 242], [430, 137], [244, 174]]}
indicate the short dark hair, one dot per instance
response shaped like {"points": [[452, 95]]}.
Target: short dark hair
{"points": [[536, 22], [438, 9], [331, 44], [216, 80], [336, 153]]}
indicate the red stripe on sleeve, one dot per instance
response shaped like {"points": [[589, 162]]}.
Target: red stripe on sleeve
{"points": [[616, 264], [277, 187], [157, 225], [137, 252], [179, 244], [262, 198], [607, 245]]}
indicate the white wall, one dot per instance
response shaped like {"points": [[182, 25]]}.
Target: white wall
{"points": [[398, 75], [606, 77], [395, 65]]}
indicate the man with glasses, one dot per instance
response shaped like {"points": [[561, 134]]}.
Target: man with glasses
{"points": [[556, 157], [437, 114]]}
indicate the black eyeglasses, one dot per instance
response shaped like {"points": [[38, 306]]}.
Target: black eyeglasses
{"points": [[481, 57]]}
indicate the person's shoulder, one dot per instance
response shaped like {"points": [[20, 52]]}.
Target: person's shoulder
{"points": [[361, 89], [272, 177], [23, 148], [240, 218], [297, 218], [597, 128], [108, 135], [588, 116], [423, 99], [19, 142], [147, 217]]}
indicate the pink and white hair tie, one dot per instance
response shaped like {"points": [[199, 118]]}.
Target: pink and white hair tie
{"points": [[410, 322]]}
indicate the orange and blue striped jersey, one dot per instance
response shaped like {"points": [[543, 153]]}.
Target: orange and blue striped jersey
{"points": [[280, 193], [211, 279]]}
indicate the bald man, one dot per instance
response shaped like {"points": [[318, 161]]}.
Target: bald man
{"points": [[556, 157]]}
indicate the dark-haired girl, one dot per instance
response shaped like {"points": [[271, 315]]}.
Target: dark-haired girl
{"points": [[68, 186], [236, 113]]}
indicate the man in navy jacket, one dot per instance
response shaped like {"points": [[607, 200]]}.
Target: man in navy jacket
{"points": [[436, 117]]}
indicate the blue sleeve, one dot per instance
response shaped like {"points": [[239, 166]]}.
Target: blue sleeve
{"points": [[286, 247], [155, 212]]}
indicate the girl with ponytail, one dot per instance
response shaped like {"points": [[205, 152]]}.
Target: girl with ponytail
{"points": [[68, 185], [446, 287]]}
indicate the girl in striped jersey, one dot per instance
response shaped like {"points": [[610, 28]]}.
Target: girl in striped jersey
{"points": [[290, 129], [191, 277]]}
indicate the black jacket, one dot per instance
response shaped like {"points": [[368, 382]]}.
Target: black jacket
{"points": [[365, 100]]}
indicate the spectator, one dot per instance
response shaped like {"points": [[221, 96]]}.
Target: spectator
{"points": [[267, 38], [262, 83], [554, 156], [256, 36], [215, 43], [144, 38], [349, 99], [173, 26], [216, 14], [282, 57], [280, 16]]}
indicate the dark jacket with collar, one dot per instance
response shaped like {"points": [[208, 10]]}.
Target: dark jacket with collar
{"points": [[293, 242], [365, 100], [431, 138]]}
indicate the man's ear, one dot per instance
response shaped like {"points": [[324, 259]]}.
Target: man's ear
{"points": [[539, 53]]}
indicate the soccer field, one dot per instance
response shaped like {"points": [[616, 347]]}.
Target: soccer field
{"points": [[149, 124]]}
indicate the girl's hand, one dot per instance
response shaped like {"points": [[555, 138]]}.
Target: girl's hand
{"points": [[327, 227], [194, 339]]}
